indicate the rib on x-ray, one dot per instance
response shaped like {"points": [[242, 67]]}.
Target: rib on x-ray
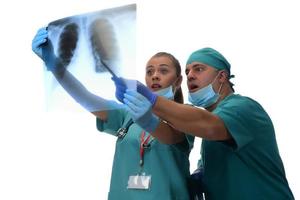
{"points": [[93, 47]]}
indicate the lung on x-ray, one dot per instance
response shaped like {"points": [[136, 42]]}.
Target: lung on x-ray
{"points": [[92, 47]]}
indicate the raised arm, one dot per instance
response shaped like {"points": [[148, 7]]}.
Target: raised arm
{"points": [[93, 103], [184, 118], [192, 120]]}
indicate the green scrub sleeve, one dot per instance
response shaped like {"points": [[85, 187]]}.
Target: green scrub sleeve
{"points": [[239, 120], [115, 120]]}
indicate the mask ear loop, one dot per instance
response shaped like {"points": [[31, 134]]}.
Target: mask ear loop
{"points": [[220, 88]]}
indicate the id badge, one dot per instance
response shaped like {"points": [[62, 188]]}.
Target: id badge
{"points": [[141, 182]]}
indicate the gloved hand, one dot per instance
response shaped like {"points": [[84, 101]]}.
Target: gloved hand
{"points": [[43, 47], [39, 39], [140, 110], [121, 86]]}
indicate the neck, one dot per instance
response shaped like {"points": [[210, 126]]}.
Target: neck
{"points": [[226, 91]]}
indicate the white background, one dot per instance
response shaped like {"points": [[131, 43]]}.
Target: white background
{"points": [[59, 155]]}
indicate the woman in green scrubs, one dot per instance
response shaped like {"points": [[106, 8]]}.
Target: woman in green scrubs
{"points": [[144, 167], [153, 170]]}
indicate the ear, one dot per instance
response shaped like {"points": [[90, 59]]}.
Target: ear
{"points": [[223, 76], [178, 82]]}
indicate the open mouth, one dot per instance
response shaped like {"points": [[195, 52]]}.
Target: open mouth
{"points": [[193, 88], [155, 87]]}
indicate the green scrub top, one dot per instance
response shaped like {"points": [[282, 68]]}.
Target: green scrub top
{"points": [[249, 167], [168, 165]]}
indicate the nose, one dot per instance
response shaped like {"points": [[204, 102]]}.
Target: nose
{"points": [[155, 76], [190, 76]]}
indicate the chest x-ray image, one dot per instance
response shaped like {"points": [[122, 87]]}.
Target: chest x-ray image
{"points": [[92, 47]]}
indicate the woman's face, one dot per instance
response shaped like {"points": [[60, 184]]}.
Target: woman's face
{"points": [[161, 73]]}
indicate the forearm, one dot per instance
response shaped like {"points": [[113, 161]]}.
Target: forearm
{"points": [[191, 120], [167, 135], [81, 95]]}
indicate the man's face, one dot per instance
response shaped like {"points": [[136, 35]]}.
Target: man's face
{"points": [[199, 75]]}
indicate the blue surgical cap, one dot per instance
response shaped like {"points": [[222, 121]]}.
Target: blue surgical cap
{"points": [[210, 57]]}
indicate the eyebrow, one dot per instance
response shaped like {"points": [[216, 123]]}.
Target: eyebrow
{"points": [[161, 65], [199, 65], [194, 66]]}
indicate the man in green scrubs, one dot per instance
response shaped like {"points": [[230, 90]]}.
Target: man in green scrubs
{"points": [[239, 154]]}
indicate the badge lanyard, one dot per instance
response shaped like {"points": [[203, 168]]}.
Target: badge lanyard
{"points": [[141, 181], [144, 143]]}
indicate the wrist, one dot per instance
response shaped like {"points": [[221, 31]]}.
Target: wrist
{"points": [[152, 124], [153, 99]]}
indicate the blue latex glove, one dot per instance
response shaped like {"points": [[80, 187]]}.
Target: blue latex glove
{"points": [[43, 47], [39, 39], [140, 110], [121, 86]]}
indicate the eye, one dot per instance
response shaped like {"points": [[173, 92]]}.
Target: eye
{"points": [[149, 72], [187, 72], [164, 71], [199, 69]]}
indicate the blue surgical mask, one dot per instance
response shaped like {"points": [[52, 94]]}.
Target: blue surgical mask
{"points": [[204, 97], [166, 92]]}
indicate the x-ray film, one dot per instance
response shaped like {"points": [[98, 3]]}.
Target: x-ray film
{"points": [[92, 47]]}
